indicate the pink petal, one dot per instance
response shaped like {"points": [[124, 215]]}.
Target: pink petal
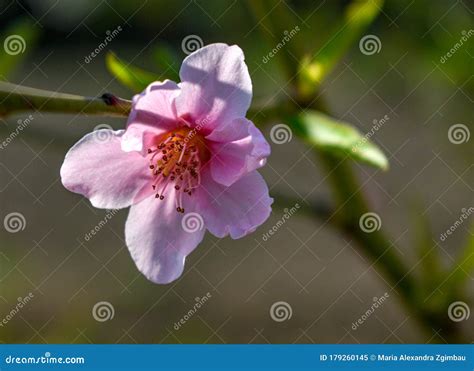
{"points": [[138, 137], [153, 111], [236, 210], [237, 149], [157, 240], [97, 168], [216, 86]]}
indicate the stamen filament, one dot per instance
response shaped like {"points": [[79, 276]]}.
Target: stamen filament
{"points": [[177, 160]]}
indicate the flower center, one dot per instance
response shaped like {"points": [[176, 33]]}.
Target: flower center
{"points": [[176, 161]]}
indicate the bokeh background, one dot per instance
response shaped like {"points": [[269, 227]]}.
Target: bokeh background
{"points": [[320, 273]]}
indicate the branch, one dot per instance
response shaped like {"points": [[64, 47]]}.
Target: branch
{"points": [[351, 206], [16, 98]]}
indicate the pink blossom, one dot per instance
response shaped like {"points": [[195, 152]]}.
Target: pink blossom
{"points": [[186, 162]]}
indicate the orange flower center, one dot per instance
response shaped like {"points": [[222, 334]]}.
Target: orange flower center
{"points": [[177, 161]]}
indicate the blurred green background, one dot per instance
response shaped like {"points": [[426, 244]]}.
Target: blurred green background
{"points": [[327, 282]]}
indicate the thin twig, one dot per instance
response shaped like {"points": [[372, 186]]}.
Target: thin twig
{"points": [[15, 99]]}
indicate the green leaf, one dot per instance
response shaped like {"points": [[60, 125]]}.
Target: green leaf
{"points": [[17, 41], [337, 137], [132, 77], [167, 62], [357, 17]]}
